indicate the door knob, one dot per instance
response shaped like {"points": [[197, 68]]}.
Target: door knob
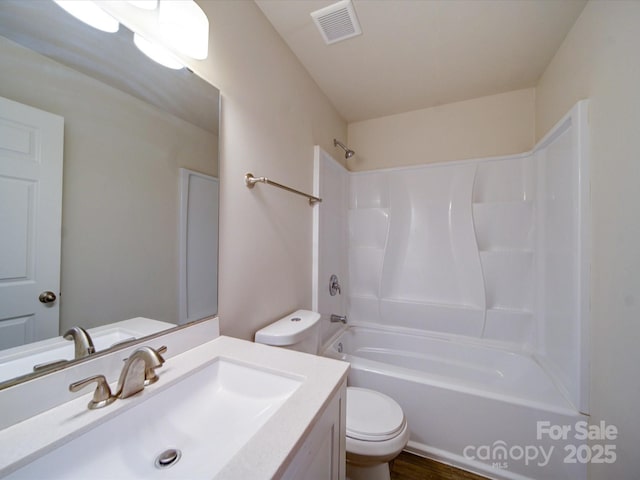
{"points": [[47, 297]]}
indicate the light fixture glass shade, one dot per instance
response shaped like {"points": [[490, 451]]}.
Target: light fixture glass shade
{"points": [[185, 27], [156, 53], [144, 4], [90, 13]]}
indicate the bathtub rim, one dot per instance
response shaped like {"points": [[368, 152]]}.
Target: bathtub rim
{"points": [[567, 408], [506, 347]]}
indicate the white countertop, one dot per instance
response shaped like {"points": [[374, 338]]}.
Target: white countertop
{"points": [[266, 454]]}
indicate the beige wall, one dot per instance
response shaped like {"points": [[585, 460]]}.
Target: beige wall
{"points": [[483, 127], [599, 60], [272, 115], [120, 190]]}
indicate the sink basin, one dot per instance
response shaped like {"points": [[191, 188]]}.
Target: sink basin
{"points": [[20, 360], [208, 416]]}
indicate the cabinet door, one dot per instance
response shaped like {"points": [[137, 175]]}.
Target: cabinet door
{"points": [[322, 455]]}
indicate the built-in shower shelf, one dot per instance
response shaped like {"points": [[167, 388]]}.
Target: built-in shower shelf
{"points": [[504, 205], [509, 325], [505, 180], [510, 311], [506, 251], [503, 255], [507, 203], [361, 296], [430, 303], [366, 209], [508, 276], [366, 247]]}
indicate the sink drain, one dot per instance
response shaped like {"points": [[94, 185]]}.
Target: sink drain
{"points": [[168, 458]]}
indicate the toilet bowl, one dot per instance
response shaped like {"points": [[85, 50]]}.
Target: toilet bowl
{"points": [[377, 432], [376, 427]]}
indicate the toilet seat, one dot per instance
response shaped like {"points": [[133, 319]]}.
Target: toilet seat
{"points": [[373, 416]]}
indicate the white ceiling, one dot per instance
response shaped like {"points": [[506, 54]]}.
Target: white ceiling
{"points": [[420, 53]]}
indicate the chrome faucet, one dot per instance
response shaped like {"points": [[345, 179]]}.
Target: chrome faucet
{"points": [[338, 318], [83, 348], [81, 340], [139, 371]]}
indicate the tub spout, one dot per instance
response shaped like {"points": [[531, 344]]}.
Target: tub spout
{"points": [[338, 318]]}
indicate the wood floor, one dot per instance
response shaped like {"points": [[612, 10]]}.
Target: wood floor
{"points": [[412, 467]]}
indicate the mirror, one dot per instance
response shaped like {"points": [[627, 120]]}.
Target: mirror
{"points": [[130, 125]]}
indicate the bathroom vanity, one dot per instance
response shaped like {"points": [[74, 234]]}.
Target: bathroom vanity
{"points": [[226, 408]]}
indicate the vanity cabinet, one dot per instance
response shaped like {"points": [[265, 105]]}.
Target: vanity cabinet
{"points": [[322, 454], [299, 434]]}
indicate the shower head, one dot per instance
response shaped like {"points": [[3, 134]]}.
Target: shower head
{"points": [[347, 152]]}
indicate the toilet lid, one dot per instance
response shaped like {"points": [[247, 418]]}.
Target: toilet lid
{"points": [[372, 416]]}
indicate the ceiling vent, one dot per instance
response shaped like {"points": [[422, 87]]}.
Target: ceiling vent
{"points": [[337, 22]]}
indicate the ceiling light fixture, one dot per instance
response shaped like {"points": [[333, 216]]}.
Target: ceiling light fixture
{"points": [[185, 27], [91, 14], [156, 53], [167, 31], [144, 4]]}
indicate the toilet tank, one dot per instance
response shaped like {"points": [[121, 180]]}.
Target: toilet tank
{"points": [[299, 331]]}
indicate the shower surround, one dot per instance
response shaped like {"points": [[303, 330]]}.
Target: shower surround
{"points": [[466, 286]]}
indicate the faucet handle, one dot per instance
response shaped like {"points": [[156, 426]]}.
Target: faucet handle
{"points": [[334, 286], [49, 365], [150, 375], [101, 396]]}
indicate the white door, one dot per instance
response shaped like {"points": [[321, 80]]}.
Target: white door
{"points": [[31, 143], [198, 258]]}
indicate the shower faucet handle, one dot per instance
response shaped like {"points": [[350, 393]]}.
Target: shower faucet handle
{"points": [[334, 286]]}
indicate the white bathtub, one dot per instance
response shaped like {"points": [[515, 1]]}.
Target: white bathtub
{"points": [[468, 405]]}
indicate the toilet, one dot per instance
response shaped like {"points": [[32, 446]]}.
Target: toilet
{"points": [[377, 429]]}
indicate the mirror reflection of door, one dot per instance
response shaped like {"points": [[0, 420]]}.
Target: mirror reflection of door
{"points": [[31, 147]]}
